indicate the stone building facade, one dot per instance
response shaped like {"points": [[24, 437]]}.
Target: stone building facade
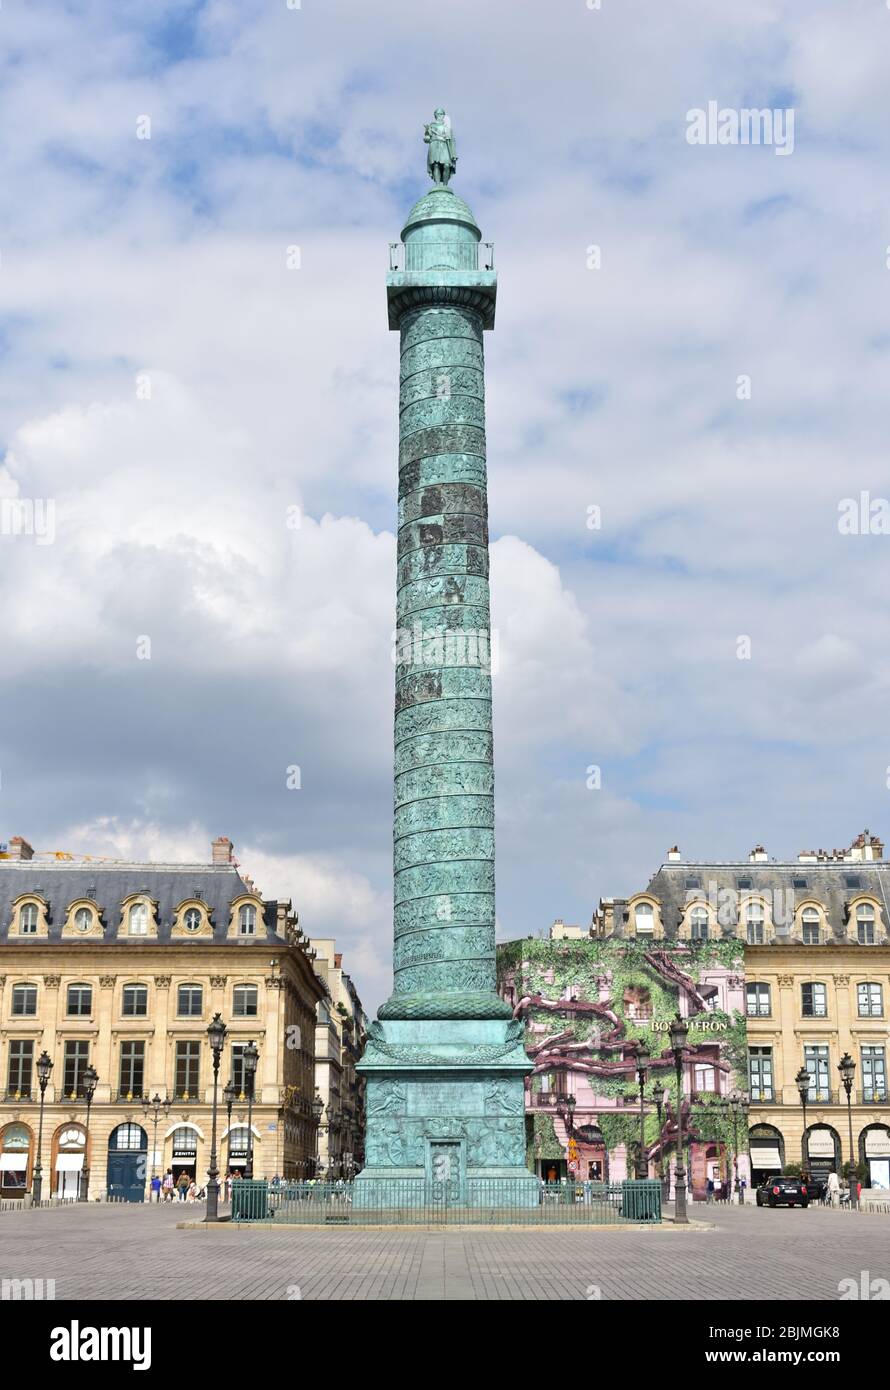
{"points": [[794, 954], [121, 967], [340, 1032]]}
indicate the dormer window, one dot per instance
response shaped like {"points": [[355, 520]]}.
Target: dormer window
{"points": [[865, 924], [192, 919], [137, 920], [698, 923], [83, 919], [28, 919], [754, 924], [809, 926], [247, 920]]}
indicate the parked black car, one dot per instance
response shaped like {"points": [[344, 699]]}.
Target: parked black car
{"points": [[783, 1192]]}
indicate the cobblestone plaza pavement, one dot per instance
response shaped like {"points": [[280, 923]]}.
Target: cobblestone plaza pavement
{"points": [[138, 1252]]}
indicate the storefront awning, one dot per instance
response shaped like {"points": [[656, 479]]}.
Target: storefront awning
{"points": [[14, 1163], [69, 1163], [766, 1156]]}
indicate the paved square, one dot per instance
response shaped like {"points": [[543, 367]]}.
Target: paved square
{"points": [[137, 1252]]}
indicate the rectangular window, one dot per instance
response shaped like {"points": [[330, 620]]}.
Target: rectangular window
{"points": [[244, 1001], [188, 1058], [874, 1075], [758, 1001], [24, 1001], [811, 933], [239, 1079], [77, 1057], [132, 1071], [760, 1073], [135, 1001], [80, 1001], [816, 1063], [755, 932], [704, 1077], [189, 1001], [813, 1001], [21, 1061], [870, 999]]}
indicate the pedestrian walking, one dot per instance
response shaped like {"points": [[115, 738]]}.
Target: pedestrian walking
{"points": [[710, 1190], [182, 1185], [167, 1185], [834, 1188], [156, 1188]]}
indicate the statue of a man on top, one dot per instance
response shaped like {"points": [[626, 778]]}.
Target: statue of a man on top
{"points": [[441, 160]]}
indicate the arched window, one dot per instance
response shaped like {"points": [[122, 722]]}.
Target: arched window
{"points": [[24, 1001], [185, 1142], [135, 1001], [865, 924], [644, 919], [698, 922], [754, 924], [238, 1141], [247, 920], [128, 1136], [244, 1001], [137, 919], [809, 923], [192, 919], [28, 919]]}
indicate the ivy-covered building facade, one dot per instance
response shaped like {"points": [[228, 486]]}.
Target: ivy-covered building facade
{"points": [[588, 1003]]}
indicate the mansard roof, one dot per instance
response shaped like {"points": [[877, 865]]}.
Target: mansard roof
{"points": [[62, 882]]}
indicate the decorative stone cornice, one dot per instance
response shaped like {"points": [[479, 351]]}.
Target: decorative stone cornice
{"points": [[841, 980], [52, 981], [107, 981], [163, 981], [218, 981], [785, 981]]}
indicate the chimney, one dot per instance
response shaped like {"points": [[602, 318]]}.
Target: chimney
{"points": [[222, 850], [338, 960], [673, 854], [19, 848], [758, 855]]}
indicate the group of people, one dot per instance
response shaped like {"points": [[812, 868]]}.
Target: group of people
{"points": [[181, 1188], [720, 1191]]}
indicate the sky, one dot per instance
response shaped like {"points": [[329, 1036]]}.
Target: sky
{"points": [[692, 348]]}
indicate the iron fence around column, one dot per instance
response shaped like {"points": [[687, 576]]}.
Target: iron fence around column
{"points": [[476, 1202]]}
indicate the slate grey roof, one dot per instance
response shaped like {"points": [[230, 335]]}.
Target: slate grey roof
{"points": [[61, 882], [826, 882]]}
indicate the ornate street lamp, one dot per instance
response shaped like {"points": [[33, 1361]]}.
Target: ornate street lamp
{"points": [[735, 1105], [317, 1112], [216, 1036], [679, 1034], [642, 1062], [229, 1096], [847, 1068], [802, 1082], [44, 1067], [250, 1057], [154, 1107], [90, 1081], [658, 1102]]}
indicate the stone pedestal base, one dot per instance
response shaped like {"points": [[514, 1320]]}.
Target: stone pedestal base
{"points": [[445, 1115]]}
